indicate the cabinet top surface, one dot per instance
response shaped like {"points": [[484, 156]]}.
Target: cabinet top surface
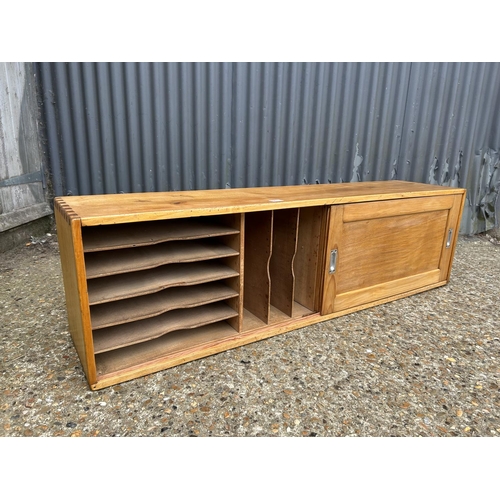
{"points": [[133, 207]]}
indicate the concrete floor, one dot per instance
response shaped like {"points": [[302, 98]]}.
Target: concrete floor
{"points": [[427, 365]]}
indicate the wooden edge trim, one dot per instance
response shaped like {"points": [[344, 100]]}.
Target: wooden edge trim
{"points": [[76, 231], [455, 237], [65, 210], [370, 294], [381, 209], [150, 215]]}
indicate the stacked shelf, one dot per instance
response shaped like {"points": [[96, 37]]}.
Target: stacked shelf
{"points": [[155, 287]]}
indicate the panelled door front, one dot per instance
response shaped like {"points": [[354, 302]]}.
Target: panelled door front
{"points": [[380, 249]]}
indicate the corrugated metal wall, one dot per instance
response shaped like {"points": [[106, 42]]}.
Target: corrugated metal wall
{"points": [[131, 127]]}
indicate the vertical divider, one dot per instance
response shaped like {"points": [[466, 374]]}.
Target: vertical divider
{"points": [[236, 242], [308, 259], [258, 250], [285, 228]]}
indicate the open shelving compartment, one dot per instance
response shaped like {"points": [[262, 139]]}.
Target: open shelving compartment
{"points": [[160, 288], [282, 261]]}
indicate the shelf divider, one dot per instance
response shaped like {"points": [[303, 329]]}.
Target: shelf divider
{"points": [[173, 345], [258, 249], [285, 226], [147, 306], [116, 337], [307, 263], [99, 264], [235, 262], [112, 237], [124, 286]]}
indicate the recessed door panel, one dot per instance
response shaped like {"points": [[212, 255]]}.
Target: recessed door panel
{"points": [[386, 248]]}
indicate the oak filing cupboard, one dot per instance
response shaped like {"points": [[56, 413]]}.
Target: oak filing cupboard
{"points": [[153, 280]]}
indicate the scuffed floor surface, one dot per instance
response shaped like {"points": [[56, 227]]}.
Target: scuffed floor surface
{"points": [[427, 365]]}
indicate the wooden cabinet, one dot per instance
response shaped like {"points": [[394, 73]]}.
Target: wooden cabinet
{"points": [[153, 280]]}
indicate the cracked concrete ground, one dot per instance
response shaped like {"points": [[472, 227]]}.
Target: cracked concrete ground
{"points": [[426, 365]]}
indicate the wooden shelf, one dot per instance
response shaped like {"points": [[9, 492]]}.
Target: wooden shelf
{"points": [[147, 306], [115, 337], [171, 345], [124, 286], [114, 237], [99, 264]]}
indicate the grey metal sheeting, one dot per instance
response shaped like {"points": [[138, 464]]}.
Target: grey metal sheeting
{"points": [[133, 127]]}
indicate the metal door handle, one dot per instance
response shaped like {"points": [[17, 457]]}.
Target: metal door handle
{"points": [[333, 261], [448, 241]]}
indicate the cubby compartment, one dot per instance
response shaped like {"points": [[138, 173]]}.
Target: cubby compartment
{"points": [[282, 265]]}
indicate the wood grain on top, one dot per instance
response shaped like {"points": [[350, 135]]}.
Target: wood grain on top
{"points": [[118, 208]]}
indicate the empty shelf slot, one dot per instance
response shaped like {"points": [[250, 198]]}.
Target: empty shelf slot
{"points": [[125, 335], [307, 266], [147, 306], [100, 264], [124, 286], [258, 249], [175, 344], [117, 236], [284, 248], [251, 322]]}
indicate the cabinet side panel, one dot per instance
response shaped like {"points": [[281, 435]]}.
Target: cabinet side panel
{"points": [[72, 263]]}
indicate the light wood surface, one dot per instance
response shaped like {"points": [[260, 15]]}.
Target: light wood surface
{"points": [[105, 209], [370, 294], [124, 286], [159, 300], [454, 218], [99, 264], [335, 226], [147, 306], [381, 209], [382, 250], [384, 247], [77, 306], [120, 336]]}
